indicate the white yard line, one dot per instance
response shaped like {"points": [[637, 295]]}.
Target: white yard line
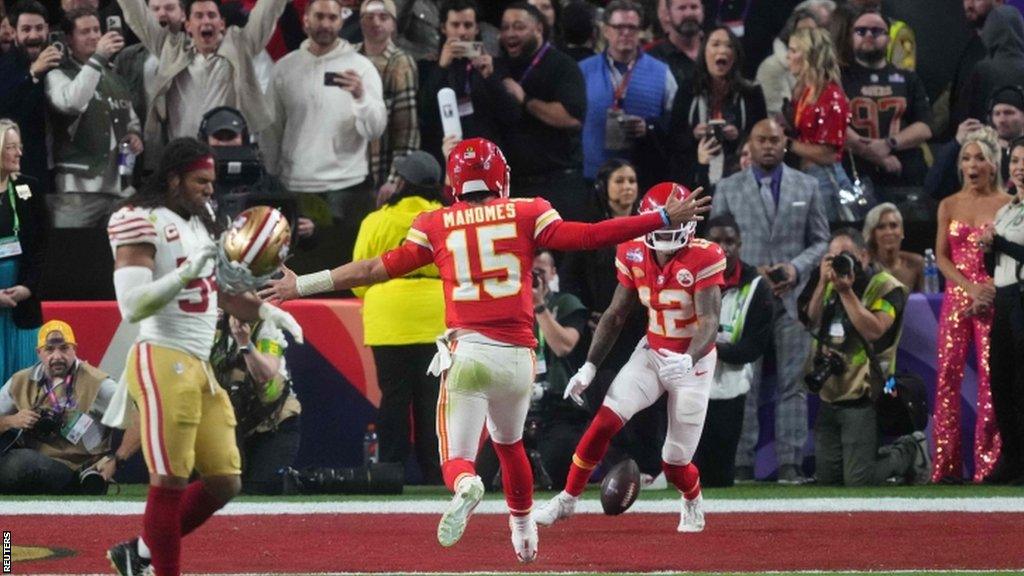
{"points": [[659, 573], [587, 506]]}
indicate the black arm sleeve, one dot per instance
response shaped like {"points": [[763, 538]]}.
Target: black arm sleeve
{"points": [[1011, 249]]}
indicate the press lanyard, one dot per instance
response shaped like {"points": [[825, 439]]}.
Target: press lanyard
{"points": [[536, 60], [51, 392], [468, 88], [14, 209], [620, 90]]}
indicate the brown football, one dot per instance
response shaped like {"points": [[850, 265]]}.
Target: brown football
{"points": [[620, 487]]}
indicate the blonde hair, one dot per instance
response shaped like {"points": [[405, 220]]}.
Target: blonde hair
{"points": [[6, 125], [874, 217], [988, 142], [822, 62]]}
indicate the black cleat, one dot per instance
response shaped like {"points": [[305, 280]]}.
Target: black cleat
{"points": [[125, 559]]}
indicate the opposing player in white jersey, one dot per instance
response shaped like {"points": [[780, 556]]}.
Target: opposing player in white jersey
{"points": [[164, 276], [678, 278]]}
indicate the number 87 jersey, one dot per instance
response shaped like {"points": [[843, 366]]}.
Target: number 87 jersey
{"points": [[668, 292]]}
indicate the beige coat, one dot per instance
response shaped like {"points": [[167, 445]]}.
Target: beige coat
{"points": [[239, 47]]}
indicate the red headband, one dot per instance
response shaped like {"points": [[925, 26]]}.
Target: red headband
{"points": [[204, 163]]}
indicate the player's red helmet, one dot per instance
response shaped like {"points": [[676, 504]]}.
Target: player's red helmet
{"points": [[667, 239], [477, 165]]}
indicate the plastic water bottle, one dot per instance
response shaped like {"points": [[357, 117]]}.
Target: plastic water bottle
{"points": [[370, 455], [125, 160], [931, 273]]}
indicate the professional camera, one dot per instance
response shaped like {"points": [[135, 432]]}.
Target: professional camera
{"points": [[826, 365], [845, 264], [48, 424]]}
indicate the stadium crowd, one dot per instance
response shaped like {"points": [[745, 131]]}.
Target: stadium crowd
{"points": [[821, 131]]}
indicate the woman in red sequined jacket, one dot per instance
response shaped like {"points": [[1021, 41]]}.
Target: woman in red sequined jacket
{"points": [[818, 113]]}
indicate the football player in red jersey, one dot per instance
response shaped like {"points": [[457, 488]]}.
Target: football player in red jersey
{"points": [[484, 246], [678, 278]]}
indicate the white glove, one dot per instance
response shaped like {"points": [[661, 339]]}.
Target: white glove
{"points": [[192, 267], [579, 382], [673, 367], [281, 320]]}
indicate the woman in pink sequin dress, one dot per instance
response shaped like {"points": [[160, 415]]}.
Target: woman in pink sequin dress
{"points": [[966, 308]]}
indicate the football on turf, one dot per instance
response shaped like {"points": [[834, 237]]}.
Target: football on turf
{"points": [[620, 487]]}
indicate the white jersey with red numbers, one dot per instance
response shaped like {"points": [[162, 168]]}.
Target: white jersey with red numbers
{"points": [[189, 321], [668, 292]]}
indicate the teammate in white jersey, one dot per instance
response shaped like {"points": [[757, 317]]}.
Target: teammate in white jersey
{"points": [[164, 275]]}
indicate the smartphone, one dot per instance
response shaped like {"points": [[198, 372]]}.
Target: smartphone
{"points": [[717, 129], [777, 275], [114, 23], [57, 41], [329, 78], [470, 49]]}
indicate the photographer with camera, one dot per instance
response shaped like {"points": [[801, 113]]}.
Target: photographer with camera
{"points": [[51, 439], [852, 304]]}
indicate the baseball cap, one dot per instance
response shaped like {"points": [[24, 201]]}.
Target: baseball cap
{"points": [[418, 167], [379, 6], [222, 119], [63, 330]]}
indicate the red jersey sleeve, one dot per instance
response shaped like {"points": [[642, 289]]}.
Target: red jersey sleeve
{"points": [[825, 121], [711, 271], [558, 234], [414, 253], [623, 271]]}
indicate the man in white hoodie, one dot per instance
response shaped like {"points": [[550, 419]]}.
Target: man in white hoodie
{"points": [[328, 104]]}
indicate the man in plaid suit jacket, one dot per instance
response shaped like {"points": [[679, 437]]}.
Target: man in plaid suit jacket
{"points": [[785, 234]]}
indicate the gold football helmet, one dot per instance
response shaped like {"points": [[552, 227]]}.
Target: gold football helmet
{"points": [[252, 249]]}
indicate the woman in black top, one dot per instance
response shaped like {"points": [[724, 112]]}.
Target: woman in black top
{"points": [[22, 235], [592, 277], [1006, 353], [717, 101]]}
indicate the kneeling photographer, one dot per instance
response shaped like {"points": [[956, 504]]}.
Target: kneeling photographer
{"points": [[851, 304], [51, 438]]}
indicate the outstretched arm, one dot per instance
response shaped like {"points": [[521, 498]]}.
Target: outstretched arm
{"points": [[563, 235], [392, 264]]}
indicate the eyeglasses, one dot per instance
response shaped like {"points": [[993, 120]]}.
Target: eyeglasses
{"points": [[625, 28], [865, 30]]}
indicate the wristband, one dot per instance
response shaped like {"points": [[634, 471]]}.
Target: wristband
{"points": [[893, 144], [539, 308], [314, 283]]}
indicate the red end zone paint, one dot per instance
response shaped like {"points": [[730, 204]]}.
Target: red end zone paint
{"points": [[634, 542]]}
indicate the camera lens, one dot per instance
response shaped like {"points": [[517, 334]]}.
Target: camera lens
{"points": [[843, 264]]}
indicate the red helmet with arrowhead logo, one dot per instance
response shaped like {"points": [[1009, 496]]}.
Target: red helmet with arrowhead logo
{"points": [[477, 165], [667, 239]]}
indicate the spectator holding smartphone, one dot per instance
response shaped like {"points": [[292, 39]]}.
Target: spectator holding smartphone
{"points": [[328, 105], [92, 117], [485, 108], [21, 87], [717, 105]]}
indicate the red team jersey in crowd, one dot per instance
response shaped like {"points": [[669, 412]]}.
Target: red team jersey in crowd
{"points": [[668, 293]]}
